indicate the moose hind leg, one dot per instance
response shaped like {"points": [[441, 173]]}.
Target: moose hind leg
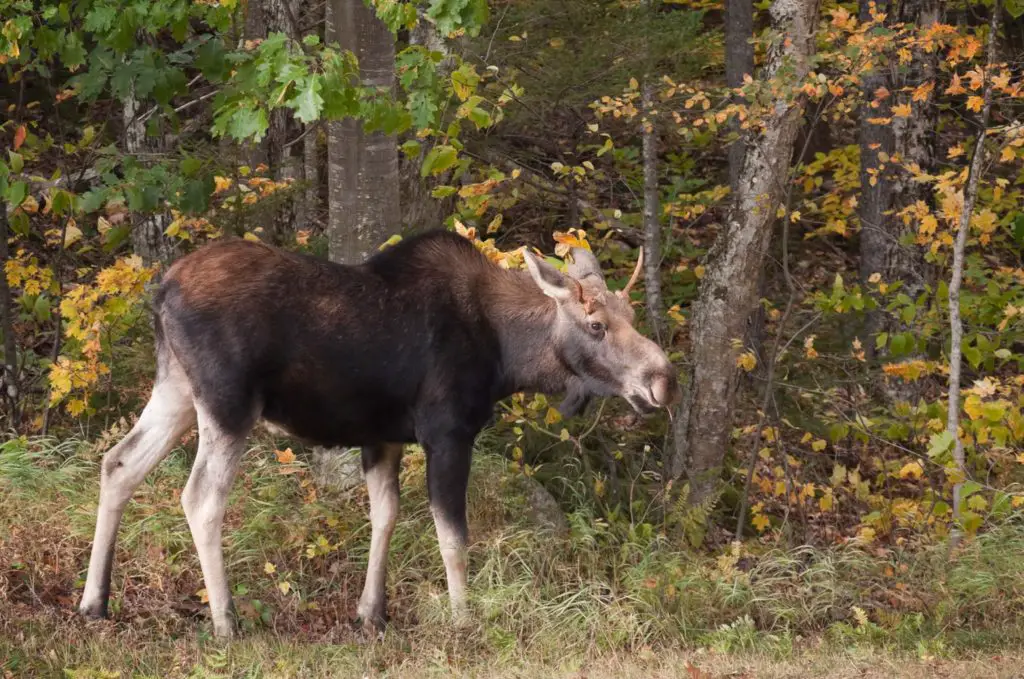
{"points": [[205, 499], [447, 483], [168, 415], [381, 465]]}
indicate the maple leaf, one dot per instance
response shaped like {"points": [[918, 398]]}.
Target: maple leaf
{"points": [[902, 110], [19, 136], [923, 91], [285, 456], [954, 85], [975, 103]]}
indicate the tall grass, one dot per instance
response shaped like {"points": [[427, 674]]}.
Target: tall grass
{"points": [[603, 589]]}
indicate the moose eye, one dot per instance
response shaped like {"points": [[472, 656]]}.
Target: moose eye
{"points": [[597, 327]]}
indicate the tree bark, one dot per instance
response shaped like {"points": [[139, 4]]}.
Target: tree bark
{"points": [[875, 202], [652, 209], [363, 181], [886, 241], [9, 375], [148, 239], [739, 61], [729, 290]]}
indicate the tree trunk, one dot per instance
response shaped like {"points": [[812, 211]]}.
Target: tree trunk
{"points": [[887, 241], [362, 168], [875, 202], [308, 211], [729, 290], [652, 208], [739, 61], [148, 239], [9, 369]]}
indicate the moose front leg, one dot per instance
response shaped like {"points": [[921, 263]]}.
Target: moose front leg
{"points": [[448, 466], [380, 467]]}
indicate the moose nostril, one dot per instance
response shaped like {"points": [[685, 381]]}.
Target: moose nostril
{"points": [[664, 390]]}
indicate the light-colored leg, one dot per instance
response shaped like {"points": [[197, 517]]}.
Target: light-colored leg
{"points": [[205, 498], [166, 418], [452, 541], [382, 484]]}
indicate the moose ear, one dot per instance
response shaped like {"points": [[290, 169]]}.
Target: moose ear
{"points": [[583, 265], [550, 280]]}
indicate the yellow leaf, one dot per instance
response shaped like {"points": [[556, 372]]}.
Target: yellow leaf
{"points": [[1007, 155], [1017, 501], [564, 434], [698, 271], [955, 151], [902, 110], [911, 470], [975, 103], [204, 596], [819, 445], [285, 456], [72, 234], [221, 184], [269, 568], [760, 522], [866, 534], [633, 84], [806, 438], [552, 417], [284, 586], [747, 361], [557, 43], [922, 92], [826, 502]]}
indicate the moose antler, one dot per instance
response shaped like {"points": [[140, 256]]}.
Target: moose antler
{"points": [[624, 292]]}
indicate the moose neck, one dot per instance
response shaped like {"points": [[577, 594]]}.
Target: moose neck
{"points": [[524, 319]]}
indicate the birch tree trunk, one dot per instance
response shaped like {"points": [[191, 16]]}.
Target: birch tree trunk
{"points": [[652, 208], [363, 194], [729, 290]]}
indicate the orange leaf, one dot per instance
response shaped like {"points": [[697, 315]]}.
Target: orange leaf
{"points": [[901, 110], [975, 103], [19, 136], [285, 456], [923, 91]]}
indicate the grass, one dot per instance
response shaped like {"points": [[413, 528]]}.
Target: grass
{"points": [[607, 600]]}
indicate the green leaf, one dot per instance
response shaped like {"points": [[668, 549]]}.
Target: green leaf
{"points": [[411, 148], [439, 159], [880, 341], [1014, 8], [443, 191], [940, 443], [17, 162], [1018, 222], [307, 102], [973, 356], [248, 123], [16, 193]]}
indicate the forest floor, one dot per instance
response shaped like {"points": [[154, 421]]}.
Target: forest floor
{"points": [[603, 601]]}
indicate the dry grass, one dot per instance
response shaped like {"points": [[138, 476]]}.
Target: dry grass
{"points": [[604, 602]]}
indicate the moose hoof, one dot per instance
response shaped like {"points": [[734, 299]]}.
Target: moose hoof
{"points": [[93, 611], [372, 619]]}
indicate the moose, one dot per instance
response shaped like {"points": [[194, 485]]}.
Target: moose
{"points": [[415, 345]]}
